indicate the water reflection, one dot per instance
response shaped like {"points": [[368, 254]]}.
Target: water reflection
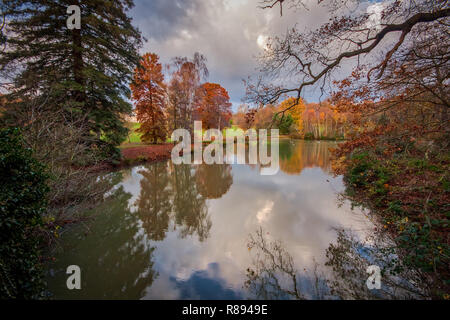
{"points": [[189, 205], [184, 228], [154, 203], [116, 262], [349, 258], [273, 274], [214, 180], [295, 156]]}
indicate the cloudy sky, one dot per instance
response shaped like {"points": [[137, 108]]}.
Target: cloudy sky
{"points": [[230, 33]]}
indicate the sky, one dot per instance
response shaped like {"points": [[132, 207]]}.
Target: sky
{"points": [[230, 33]]}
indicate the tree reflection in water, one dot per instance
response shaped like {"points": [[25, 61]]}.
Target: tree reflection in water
{"points": [[299, 154], [115, 259], [189, 206], [154, 200], [274, 276], [213, 180], [349, 259], [178, 193]]}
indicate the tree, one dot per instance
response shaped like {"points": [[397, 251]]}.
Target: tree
{"points": [[295, 112], [409, 102], [212, 105], [182, 88], [149, 94], [238, 119], [314, 55], [82, 71], [284, 123], [263, 118]]}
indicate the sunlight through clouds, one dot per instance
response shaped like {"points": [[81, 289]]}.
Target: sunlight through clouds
{"points": [[263, 214], [262, 41]]}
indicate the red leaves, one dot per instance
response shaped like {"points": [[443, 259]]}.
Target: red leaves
{"points": [[148, 92], [212, 105]]}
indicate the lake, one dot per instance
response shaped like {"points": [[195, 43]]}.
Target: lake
{"points": [[211, 231]]}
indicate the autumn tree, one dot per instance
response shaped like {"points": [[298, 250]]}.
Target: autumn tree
{"points": [[263, 118], [295, 112], [409, 102], [313, 56], [212, 106], [238, 120], [185, 80], [239, 117], [149, 94]]}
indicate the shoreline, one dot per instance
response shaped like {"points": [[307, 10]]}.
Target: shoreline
{"points": [[137, 154]]}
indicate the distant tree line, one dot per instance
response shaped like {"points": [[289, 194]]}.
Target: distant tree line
{"points": [[303, 120]]}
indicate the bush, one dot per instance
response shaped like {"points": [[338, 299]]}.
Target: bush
{"points": [[366, 171], [72, 165], [23, 192], [284, 123], [295, 135]]}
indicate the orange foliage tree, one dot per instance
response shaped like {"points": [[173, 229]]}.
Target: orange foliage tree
{"points": [[263, 118], [212, 105], [149, 94], [239, 118], [296, 111]]}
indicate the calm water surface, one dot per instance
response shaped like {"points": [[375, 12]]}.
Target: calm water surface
{"points": [[182, 231]]}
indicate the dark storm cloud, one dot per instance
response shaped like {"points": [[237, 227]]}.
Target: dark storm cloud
{"points": [[160, 19]]}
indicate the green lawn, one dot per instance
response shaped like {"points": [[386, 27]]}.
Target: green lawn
{"points": [[134, 138]]}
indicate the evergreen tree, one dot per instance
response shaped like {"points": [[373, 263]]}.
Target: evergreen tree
{"points": [[85, 71]]}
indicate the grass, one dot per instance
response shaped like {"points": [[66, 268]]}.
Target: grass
{"points": [[134, 136]]}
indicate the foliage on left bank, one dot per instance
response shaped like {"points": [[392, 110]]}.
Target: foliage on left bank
{"points": [[22, 203]]}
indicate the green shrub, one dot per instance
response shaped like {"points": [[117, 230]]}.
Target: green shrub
{"points": [[366, 171], [309, 136], [359, 171], [284, 123], [23, 191]]}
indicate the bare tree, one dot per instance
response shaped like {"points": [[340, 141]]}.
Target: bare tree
{"points": [[310, 58], [186, 78], [2, 27]]}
